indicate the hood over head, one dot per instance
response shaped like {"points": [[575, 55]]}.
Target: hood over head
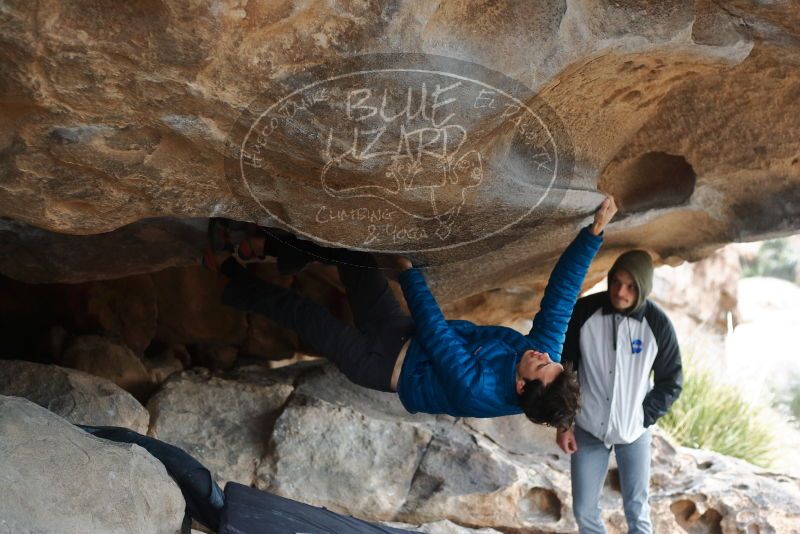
{"points": [[639, 265]]}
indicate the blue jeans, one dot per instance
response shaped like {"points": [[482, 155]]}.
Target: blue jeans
{"points": [[589, 466]]}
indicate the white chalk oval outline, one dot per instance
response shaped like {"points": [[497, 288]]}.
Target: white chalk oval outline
{"points": [[384, 251]]}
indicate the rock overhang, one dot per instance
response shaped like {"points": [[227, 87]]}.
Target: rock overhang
{"points": [[116, 125]]}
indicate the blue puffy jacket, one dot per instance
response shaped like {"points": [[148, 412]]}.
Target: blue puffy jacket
{"points": [[466, 370]]}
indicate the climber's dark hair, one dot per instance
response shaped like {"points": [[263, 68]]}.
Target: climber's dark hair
{"points": [[554, 405]]}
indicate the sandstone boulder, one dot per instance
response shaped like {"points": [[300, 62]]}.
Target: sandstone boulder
{"points": [[76, 396], [457, 474], [349, 463], [57, 478], [107, 358], [515, 434], [223, 423], [702, 490]]}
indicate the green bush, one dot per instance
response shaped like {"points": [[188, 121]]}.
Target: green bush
{"points": [[715, 416]]}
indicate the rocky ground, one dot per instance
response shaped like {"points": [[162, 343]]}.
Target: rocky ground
{"points": [[306, 433]]}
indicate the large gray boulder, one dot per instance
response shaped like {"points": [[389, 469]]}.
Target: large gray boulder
{"points": [[349, 463], [76, 396], [223, 423], [59, 479], [358, 451]]}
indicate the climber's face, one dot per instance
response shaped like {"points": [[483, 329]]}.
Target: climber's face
{"points": [[536, 365]]}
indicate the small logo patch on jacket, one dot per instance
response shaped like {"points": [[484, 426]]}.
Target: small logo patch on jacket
{"points": [[636, 346]]}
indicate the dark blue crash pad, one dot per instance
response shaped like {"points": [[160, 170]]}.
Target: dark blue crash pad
{"points": [[250, 511]]}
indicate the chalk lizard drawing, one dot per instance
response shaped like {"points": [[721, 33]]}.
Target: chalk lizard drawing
{"points": [[427, 186]]}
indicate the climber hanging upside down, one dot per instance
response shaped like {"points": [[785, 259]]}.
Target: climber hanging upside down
{"points": [[435, 366]]}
